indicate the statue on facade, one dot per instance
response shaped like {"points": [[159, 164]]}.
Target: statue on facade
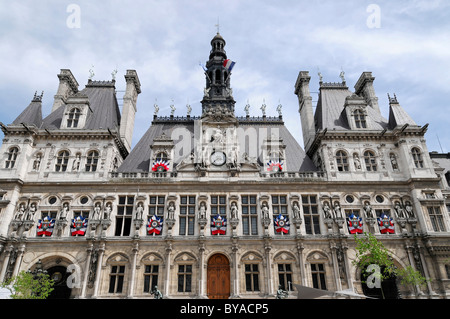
{"points": [[247, 109], [37, 163], [265, 211], [202, 211], [76, 163], [409, 210], [337, 210], [234, 211], [96, 212], [263, 108], [107, 211], [281, 293], [296, 211], [31, 211], [157, 293], [20, 212], [327, 214], [368, 210], [139, 211], [171, 211], [172, 107], [399, 210], [279, 109], [357, 161], [64, 212], [394, 162]]}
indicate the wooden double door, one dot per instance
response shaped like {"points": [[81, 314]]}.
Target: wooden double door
{"points": [[218, 277]]}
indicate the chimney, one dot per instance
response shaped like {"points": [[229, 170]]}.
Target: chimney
{"points": [[305, 108], [129, 107], [364, 88], [68, 85]]}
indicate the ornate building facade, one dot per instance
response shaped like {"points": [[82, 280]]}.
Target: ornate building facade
{"points": [[217, 205]]}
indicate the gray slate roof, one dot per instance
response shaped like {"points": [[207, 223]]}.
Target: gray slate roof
{"points": [[139, 158], [32, 115], [103, 103]]}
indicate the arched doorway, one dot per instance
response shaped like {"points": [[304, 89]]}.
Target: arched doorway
{"points": [[59, 275], [388, 290], [218, 277]]}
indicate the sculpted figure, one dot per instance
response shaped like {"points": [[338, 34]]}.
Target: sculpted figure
{"points": [[327, 210], [171, 211], [368, 210], [234, 210], [202, 212]]}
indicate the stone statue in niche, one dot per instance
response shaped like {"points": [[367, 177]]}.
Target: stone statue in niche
{"points": [[368, 210], [327, 211], [202, 211], [107, 211], [20, 212], [409, 210], [139, 211], [171, 211], [337, 210], [31, 212], [296, 211], [76, 163], [357, 161], [265, 211], [234, 211], [37, 163], [394, 162], [399, 210], [64, 211]]}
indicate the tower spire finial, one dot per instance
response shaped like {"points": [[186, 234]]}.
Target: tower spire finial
{"points": [[218, 26]]}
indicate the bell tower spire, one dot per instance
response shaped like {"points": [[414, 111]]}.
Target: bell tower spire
{"points": [[218, 98]]}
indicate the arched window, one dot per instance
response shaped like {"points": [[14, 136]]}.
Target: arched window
{"points": [[371, 161], [342, 161], [61, 161], [73, 118], [417, 157], [360, 119], [92, 161], [12, 156]]}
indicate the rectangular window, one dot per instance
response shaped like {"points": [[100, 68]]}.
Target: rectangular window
{"points": [[437, 220], [249, 215], [285, 276], [116, 279], [156, 206], [150, 277], [184, 278], [187, 215], [124, 215], [219, 206], [318, 276], [311, 214], [383, 211], [251, 277], [279, 206], [51, 214]]}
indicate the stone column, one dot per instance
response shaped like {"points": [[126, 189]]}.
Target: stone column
{"points": [[86, 271], [19, 260], [301, 262], [6, 262], [167, 265], [267, 249], [99, 269], [335, 265], [235, 292], [133, 270], [201, 272]]}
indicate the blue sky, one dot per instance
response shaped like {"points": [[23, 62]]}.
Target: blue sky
{"points": [[164, 40]]}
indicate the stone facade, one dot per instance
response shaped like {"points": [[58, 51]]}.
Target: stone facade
{"points": [[75, 196]]}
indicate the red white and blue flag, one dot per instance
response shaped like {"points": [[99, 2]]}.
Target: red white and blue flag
{"points": [[282, 224], [275, 166], [355, 224], [79, 226], [45, 226], [155, 225], [386, 224], [160, 166], [218, 225], [228, 64]]}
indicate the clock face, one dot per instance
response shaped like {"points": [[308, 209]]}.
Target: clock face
{"points": [[218, 158]]}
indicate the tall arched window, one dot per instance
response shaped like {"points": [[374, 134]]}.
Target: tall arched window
{"points": [[12, 156], [417, 157], [371, 161], [342, 161], [73, 118], [61, 161], [360, 118], [92, 161]]}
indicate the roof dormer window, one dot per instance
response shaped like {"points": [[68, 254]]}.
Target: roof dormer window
{"points": [[360, 119], [73, 117]]}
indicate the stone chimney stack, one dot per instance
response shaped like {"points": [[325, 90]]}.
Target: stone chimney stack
{"points": [[129, 109], [68, 85], [305, 108], [364, 88]]}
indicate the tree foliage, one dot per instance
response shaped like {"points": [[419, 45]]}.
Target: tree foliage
{"points": [[29, 286]]}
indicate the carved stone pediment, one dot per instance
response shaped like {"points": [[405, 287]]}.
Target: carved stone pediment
{"points": [[185, 257], [251, 257]]}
